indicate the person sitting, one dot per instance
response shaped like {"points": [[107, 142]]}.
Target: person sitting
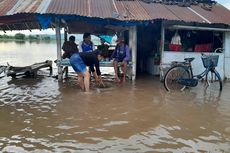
{"points": [[104, 48], [79, 61], [121, 54], [86, 45], [69, 47]]}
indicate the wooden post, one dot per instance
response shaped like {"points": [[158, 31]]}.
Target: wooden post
{"points": [[59, 54], [66, 69], [133, 46], [226, 52], [130, 46], [162, 42], [130, 38], [65, 35]]}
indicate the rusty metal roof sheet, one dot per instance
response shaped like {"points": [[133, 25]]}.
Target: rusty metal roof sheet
{"points": [[218, 14], [135, 10], [5, 6], [24, 6], [158, 11], [184, 13]]}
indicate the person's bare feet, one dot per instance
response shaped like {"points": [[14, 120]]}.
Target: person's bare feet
{"points": [[124, 80], [117, 80]]}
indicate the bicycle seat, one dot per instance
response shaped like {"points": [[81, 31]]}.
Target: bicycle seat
{"points": [[189, 59]]}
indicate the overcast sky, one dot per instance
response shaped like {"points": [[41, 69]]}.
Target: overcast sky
{"points": [[225, 3]]}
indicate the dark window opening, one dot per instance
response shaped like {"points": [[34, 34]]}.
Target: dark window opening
{"points": [[192, 40]]}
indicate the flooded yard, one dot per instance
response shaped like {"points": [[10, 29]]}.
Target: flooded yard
{"points": [[44, 115]]}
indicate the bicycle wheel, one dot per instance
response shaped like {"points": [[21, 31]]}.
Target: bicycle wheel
{"points": [[171, 78], [213, 81]]}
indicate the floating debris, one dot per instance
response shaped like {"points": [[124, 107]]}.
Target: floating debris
{"points": [[29, 71]]}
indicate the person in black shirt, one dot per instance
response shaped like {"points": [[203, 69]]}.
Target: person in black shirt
{"points": [[104, 48], [79, 61], [69, 47]]}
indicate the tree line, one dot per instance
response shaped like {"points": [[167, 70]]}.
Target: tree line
{"points": [[20, 36]]}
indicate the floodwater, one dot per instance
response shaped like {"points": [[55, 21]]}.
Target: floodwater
{"points": [[43, 115]]}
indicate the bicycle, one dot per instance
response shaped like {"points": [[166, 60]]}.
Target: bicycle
{"points": [[180, 75]]}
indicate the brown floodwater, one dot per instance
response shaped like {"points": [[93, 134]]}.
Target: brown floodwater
{"points": [[43, 115]]}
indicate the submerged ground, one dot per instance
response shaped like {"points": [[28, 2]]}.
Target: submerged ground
{"points": [[43, 115], [46, 116]]}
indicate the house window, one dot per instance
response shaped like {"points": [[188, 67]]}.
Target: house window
{"points": [[192, 40]]}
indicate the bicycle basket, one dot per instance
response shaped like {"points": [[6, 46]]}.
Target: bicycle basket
{"points": [[211, 60]]}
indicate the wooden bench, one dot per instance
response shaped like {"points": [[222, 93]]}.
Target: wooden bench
{"points": [[65, 63]]}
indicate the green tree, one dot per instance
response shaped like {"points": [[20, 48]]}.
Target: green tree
{"points": [[32, 37], [6, 37], [19, 36], [45, 37]]}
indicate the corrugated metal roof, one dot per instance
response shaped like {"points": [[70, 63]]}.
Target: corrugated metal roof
{"points": [[24, 6], [112, 9], [184, 13], [6, 5], [101, 8], [69, 7], [159, 11], [136, 11], [218, 14]]}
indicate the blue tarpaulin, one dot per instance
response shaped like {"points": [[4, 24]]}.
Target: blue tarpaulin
{"points": [[107, 38], [46, 20]]}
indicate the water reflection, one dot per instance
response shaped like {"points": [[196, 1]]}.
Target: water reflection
{"points": [[40, 114], [44, 115], [48, 41], [20, 42]]}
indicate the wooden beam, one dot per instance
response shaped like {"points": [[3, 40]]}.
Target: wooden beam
{"points": [[27, 26], [38, 25], [8, 27], [2, 29]]}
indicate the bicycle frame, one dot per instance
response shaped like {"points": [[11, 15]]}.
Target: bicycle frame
{"points": [[180, 75], [188, 67]]}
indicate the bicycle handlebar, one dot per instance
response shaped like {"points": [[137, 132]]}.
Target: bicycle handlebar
{"points": [[219, 49]]}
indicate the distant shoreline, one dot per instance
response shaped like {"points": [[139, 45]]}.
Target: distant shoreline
{"points": [[19, 37]]}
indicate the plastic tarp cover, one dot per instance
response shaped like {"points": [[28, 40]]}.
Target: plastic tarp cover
{"points": [[107, 38]]}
